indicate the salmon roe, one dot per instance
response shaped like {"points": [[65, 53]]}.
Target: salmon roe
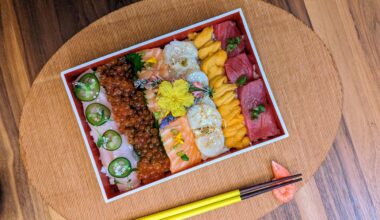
{"points": [[134, 119]]}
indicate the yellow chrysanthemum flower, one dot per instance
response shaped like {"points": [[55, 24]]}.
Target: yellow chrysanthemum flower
{"points": [[175, 97]]}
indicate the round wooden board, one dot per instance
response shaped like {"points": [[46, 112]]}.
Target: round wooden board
{"points": [[300, 70]]}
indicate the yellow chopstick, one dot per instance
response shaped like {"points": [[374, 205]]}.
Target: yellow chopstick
{"points": [[221, 200], [203, 205], [205, 208]]}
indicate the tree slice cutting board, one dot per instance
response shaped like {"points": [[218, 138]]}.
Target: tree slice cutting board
{"points": [[300, 71]]}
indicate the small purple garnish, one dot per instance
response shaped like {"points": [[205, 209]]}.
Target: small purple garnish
{"points": [[166, 121]]}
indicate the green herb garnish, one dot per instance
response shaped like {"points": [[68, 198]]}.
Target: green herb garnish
{"points": [[100, 143], [232, 43], [176, 146], [206, 89], [157, 115], [103, 116], [257, 111], [242, 80], [85, 87], [195, 89], [174, 131], [210, 92], [156, 124], [136, 61], [183, 156]]}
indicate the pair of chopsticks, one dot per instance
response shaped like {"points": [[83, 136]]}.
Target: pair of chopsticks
{"points": [[221, 200]]}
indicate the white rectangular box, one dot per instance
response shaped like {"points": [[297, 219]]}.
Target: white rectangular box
{"points": [[68, 76]]}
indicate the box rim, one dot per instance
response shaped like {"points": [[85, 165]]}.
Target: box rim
{"points": [[216, 160]]}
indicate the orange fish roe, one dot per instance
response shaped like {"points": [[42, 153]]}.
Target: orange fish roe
{"points": [[134, 118]]}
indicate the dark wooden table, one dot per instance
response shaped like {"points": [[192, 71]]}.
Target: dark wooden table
{"points": [[346, 186]]}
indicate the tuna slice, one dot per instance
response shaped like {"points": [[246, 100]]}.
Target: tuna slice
{"points": [[228, 29], [179, 142], [239, 66], [255, 66], [252, 95]]}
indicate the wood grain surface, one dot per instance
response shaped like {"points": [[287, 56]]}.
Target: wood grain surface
{"points": [[346, 185]]}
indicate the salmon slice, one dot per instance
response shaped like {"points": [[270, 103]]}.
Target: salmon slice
{"points": [[151, 99], [155, 67], [179, 142], [286, 193]]}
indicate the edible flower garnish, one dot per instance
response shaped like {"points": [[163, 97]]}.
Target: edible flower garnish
{"points": [[175, 97], [198, 90], [232, 43], [147, 83], [257, 111], [150, 62], [178, 139], [166, 120]]}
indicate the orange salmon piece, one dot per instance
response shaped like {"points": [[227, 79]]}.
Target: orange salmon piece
{"points": [[155, 66], [151, 99], [179, 143]]}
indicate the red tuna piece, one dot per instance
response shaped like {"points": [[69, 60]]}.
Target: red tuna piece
{"points": [[239, 66], [255, 66], [226, 30], [252, 95]]}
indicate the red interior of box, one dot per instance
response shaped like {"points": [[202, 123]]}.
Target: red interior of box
{"points": [[111, 190]]}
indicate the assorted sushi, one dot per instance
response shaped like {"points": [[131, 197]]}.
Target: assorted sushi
{"points": [[159, 111]]}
